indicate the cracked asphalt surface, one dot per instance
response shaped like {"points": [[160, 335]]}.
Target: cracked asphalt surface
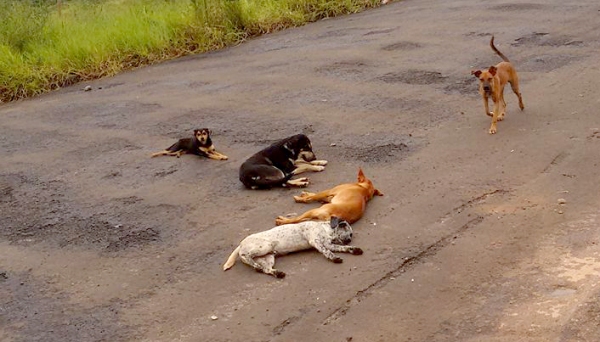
{"points": [[478, 237]]}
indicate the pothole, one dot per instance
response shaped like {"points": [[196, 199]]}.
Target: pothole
{"points": [[420, 77]]}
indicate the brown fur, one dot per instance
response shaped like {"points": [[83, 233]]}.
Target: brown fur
{"points": [[346, 201], [491, 84]]}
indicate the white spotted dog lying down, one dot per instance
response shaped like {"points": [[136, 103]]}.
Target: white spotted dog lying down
{"points": [[259, 250]]}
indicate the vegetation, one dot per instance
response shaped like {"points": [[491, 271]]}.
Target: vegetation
{"points": [[48, 44]]}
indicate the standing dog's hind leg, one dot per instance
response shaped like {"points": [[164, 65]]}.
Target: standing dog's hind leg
{"points": [[503, 108], [514, 84]]}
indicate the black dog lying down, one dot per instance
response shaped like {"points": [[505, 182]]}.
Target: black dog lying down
{"points": [[275, 165], [200, 145]]}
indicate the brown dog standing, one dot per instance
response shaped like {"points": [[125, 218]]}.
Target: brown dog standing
{"points": [[492, 82], [346, 201]]}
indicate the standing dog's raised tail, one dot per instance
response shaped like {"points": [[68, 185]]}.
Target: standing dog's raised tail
{"points": [[231, 260], [504, 58]]}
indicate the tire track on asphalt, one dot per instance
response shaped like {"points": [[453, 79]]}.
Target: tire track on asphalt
{"points": [[408, 263]]}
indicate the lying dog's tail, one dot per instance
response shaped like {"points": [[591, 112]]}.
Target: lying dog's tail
{"points": [[504, 58], [231, 260]]}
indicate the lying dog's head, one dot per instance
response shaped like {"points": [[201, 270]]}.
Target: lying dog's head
{"points": [[367, 184], [342, 231], [203, 136], [486, 79], [300, 147]]}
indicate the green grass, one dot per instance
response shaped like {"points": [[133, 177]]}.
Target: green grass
{"points": [[42, 49]]}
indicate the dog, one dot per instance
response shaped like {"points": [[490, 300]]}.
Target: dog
{"points": [[491, 84], [346, 201], [275, 165], [201, 145], [259, 250]]}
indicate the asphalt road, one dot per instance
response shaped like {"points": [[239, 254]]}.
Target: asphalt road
{"points": [[478, 238]]}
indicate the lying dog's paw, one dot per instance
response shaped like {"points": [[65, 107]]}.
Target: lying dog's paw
{"points": [[356, 251], [302, 197], [280, 220], [319, 162], [279, 274], [299, 182], [337, 260], [318, 168], [490, 114]]}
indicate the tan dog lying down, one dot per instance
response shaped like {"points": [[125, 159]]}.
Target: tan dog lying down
{"points": [[346, 201], [259, 250]]}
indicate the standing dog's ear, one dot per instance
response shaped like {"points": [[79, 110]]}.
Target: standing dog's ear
{"points": [[334, 221], [476, 73], [492, 70]]}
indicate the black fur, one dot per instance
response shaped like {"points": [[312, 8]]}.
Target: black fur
{"points": [[191, 145], [273, 166]]}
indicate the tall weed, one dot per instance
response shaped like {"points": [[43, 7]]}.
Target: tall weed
{"points": [[21, 22], [42, 50]]}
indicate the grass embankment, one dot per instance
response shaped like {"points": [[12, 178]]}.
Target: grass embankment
{"points": [[45, 47]]}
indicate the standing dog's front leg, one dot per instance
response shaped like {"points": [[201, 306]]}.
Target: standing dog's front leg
{"points": [[493, 127]]}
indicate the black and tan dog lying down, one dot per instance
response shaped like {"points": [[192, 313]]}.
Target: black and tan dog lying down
{"points": [[259, 250], [275, 165], [200, 144]]}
